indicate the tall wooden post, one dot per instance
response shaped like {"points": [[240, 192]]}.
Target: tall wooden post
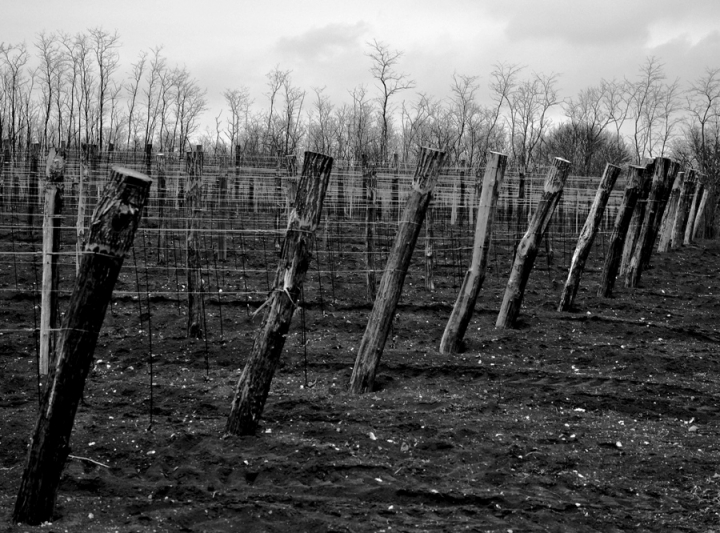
{"points": [[683, 210], [222, 212], [395, 188], [635, 183], [111, 234], [587, 236], [253, 386], [429, 252], [694, 204], [475, 276], [637, 217], [430, 162], [663, 175], [700, 213], [193, 211], [33, 185], [162, 251], [668, 219], [83, 178], [52, 218], [369, 184], [528, 247]]}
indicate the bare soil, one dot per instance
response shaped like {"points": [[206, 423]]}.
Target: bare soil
{"points": [[603, 419]]}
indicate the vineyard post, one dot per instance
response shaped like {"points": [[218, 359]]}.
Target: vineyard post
{"points": [[475, 276], [663, 175], [699, 215], [52, 218], [395, 186], [637, 176], [587, 236], [682, 212], [668, 219], [252, 388], [692, 214], [83, 177], [111, 234], [222, 212], [429, 253], [369, 185], [527, 248], [162, 199], [33, 184], [637, 218], [193, 209], [430, 162]]}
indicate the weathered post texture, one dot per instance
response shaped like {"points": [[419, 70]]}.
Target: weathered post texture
{"points": [[636, 179], [687, 191], [111, 234], [587, 236], [694, 204], [429, 250], [193, 212], [369, 183], [475, 276], [637, 218], [663, 175], [162, 199], [33, 185], [253, 386], [430, 162], [668, 219], [83, 178], [700, 213], [528, 247], [52, 217]]}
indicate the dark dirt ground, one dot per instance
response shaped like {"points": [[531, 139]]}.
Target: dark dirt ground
{"points": [[604, 419]]}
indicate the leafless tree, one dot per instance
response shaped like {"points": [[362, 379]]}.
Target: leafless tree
{"points": [[104, 46], [238, 100], [133, 87]]}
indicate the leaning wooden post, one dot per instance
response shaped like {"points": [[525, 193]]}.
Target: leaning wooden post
{"points": [[637, 217], [700, 213], [430, 162], [587, 236], [528, 247], [668, 219], [111, 235], [475, 276], [694, 204], [683, 210], [663, 175], [635, 180], [253, 386], [83, 179], [193, 209], [52, 217]]}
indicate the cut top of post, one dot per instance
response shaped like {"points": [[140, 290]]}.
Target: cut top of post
{"points": [[428, 169], [557, 175]]}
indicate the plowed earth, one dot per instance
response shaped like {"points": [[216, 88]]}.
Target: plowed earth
{"points": [[603, 419]]}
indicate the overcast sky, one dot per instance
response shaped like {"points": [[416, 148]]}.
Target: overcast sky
{"points": [[232, 43]]}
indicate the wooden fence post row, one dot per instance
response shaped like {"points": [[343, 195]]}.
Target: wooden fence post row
{"points": [[528, 247], [379, 323], [111, 235], [254, 384]]}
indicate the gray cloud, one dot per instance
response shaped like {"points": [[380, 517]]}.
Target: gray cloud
{"points": [[326, 43]]}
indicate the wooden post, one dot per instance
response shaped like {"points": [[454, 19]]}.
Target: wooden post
{"points": [[33, 185], [635, 183], [395, 188], [663, 175], [111, 234], [429, 254], [430, 162], [637, 217], [694, 204], [587, 236], [83, 178], [668, 219], [475, 276], [52, 217], [700, 213], [528, 247], [193, 213], [369, 185], [222, 212], [253, 386], [162, 200], [683, 210]]}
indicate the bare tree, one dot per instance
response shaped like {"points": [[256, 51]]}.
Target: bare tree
{"points": [[238, 100], [14, 57], [138, 69], [390, 82], [50, 71], [463, 90], [104, 45]]}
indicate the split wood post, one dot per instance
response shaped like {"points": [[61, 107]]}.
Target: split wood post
{"points": [[369, 185], [111, 235], [83, 177], [527, 249], [33, 185], [635, 182], [663, 174], [193, 214], [694, 204], [683, 210], [700, 214], [253, 386], [430, 162], [429, 255], [668, 219], [475, 276], [162, 200], [587, 236], [637, 217], [52, 217]]}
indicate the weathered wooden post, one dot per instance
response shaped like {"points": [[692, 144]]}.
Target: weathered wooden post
{"points": [[683, 210], [664, 173], [193, 213], [429, 254], [52, 218], [587, 236], [694, 204], [111, 234], [636, 178], [83, 178], [475, 276], [700, 213], [528, 247], [33, 184], [395, 188], [222, 211], [369, 185], [430, 162], [253, 386], [668, 219], [637, 218], [160, 161]]}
